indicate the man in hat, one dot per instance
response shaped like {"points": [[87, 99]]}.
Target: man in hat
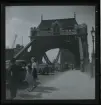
{"points": [[13, 78]]}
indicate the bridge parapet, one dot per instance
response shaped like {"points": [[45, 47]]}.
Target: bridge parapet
{"points": [[80, 29]]}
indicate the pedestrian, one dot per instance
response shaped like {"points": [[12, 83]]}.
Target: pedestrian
{"points": [[22, 74], [47, 69], [23, 70], [34, 70], [29, 77], [13, 78]]}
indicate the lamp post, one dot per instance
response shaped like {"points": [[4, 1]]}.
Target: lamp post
{"points": [[93, 55]]}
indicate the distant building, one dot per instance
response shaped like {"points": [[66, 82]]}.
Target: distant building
{"points": [[18, 48], [10, 52]]}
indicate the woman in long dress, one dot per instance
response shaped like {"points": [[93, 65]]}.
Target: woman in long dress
{"points": [[34, 70], [29, 77]]}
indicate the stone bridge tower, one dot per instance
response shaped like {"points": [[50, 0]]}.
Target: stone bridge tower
{"points": [[68, 27]]}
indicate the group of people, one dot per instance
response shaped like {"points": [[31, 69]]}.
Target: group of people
{"points": [[30, 75]]}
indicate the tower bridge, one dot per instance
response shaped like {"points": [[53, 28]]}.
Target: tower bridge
{"points": [[58, 33]]}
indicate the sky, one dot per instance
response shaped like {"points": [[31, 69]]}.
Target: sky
{"points": [[19, 19]]}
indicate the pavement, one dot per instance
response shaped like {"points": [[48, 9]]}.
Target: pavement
{"points": [[72, 84], [43, 79]]}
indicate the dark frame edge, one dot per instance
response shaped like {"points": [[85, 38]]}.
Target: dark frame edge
{"points": [[2, 53], [49, 101], [97, 52]]}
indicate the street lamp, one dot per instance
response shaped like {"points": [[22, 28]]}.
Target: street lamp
{"points": [[93, 55], [92, 33]]}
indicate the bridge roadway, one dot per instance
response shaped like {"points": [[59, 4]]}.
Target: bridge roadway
{"points": [[72, 84], [43, 79]]}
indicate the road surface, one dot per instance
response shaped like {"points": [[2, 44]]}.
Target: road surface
{"points": [[43, 79], [71, 84]]}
